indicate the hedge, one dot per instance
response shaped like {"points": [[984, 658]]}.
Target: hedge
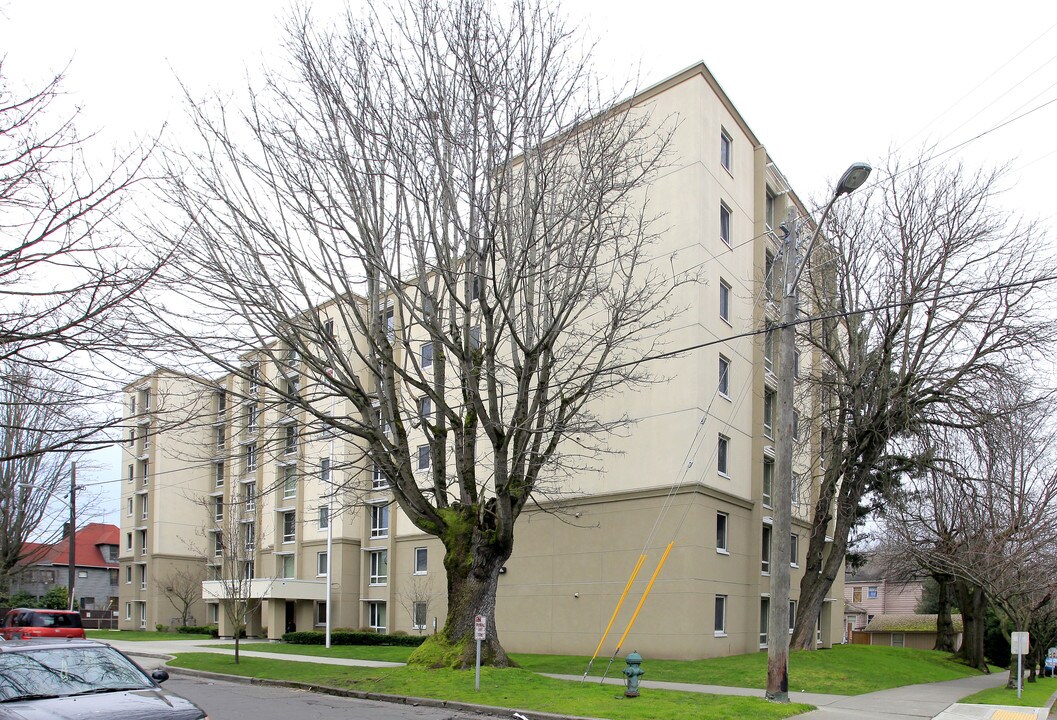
{"points": [[198, 630], [349, 637]]}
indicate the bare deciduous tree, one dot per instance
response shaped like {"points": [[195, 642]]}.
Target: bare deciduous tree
{"points": [[182, 587], [928, 300], [437, 217], [66, 266]]}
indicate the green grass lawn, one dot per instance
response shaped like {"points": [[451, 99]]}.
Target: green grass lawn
{"points": [[844, 670], [388, 653], [512, 688], [1035, 694], [141, 635]]}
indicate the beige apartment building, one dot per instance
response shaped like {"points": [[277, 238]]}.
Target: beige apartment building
{"points": [[693, 473]]}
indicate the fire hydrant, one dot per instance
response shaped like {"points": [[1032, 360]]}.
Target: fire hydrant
{"points": [[633, 672]]}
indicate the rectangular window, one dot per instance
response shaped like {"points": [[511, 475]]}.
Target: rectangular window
{"points": [[376, 616], [143, 614], [128, 510], [252, 419], [768, 348], [378, 479], [221, 400], [871, 592], [293, 392], [218, 508], [388, 322], [249, 458], [765, 552], [724, 376], [131, 473], [796, 364], [286, 566], [289, 482], [128, 541], [218, 474], [128, 574], [419, 611], [423, 457], [249, 535], [421, 560], [427, 355], [321, 612], [765, 611], [726, 151], [324, 471], [379, 521], [132, 438], [146, 471], [792, 615], [289, 527], [253, 379], [769, 399], [142, 542], [321, 563], [425, 408], [768, 209], [721, 454], [221, 438], [794, 550], [249, 496], [324, 517], [794, 491], [247, 570], [721, 615], [898, 639], [724, 301], [768, 481], [721, 532], [213, 612], [379, 565], [328, 328], [724, 223], [768, 275], [856, 594], [290, 445], [218, 544], [128, 611], [796, 425]]}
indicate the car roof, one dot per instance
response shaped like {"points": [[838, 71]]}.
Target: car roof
{"points": [[45, 610], [47, 644]]}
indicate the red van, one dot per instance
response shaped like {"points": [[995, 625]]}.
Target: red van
{"points": [[26, 623]]}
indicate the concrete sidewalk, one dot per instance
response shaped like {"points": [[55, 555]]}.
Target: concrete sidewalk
{"points": [[929, 701]]}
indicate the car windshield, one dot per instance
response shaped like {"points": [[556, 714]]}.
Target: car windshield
{"points": [[51, 672]]}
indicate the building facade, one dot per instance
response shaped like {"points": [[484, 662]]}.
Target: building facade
{"points": [[214, 463], [96, 555]]}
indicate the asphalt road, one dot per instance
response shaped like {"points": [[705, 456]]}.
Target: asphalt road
{"points": [[238, 701]]}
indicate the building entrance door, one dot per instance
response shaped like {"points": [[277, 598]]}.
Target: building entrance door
{"points": [[291, 616]]}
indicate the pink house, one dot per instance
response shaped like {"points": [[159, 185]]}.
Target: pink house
{"points": [[869, 592]]}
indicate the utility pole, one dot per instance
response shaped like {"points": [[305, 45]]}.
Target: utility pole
{"points": [[781, 493], [72, 535], [780, 618]]}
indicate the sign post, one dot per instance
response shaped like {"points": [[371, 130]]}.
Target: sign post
{"points": [[480, 629], [1018, 644]]}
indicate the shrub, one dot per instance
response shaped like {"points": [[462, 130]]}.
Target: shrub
{"points": [[198, 630], [350, 637], [161, 628]]}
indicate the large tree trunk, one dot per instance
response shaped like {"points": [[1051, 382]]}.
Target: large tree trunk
{"points": [[973, 605], [944, 623]]}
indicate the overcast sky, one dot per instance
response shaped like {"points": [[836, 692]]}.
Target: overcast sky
{"points": [[821, 84]]}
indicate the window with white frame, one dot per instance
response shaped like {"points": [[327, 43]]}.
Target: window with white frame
{"points": [[293, 391], [724, 301], [218, 507], [898, 639], [722, 519], [792, 615], [769, 209], [768, 481], [794, 550], [128, 510], [128, 574], [388, 322], [252, 419], [131, 473], [722, 447], [253, 379], [249, 535], [328, 327], [769, 402], [290, 444], [146, 471], [427, 355], [248, 570], [324, 470], [425, 408], [726, 151], [289, 482], [143, 614], [376, 616], [724, 223], [378, 479], [249, 458], [379, 521], [213, 613], [871, 592], [765, 611], [128, 611], [321, 563], [321, 613], [218, 474], [768, 347], [218, 544], [423, 457], [286, 566], [765, 552], [221, 438], [768, 275], [721, 616], [419, 611], [796, 425], [421, 560], [724, 376], [324, 517], [249, 496], [289, 526], [128, 541], [379, 567]]}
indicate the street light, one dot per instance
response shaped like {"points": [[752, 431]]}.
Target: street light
{"points": [[779, 616], [71, 535]]}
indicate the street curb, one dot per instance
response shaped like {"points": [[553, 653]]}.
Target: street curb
{"points": [[378, 697]]}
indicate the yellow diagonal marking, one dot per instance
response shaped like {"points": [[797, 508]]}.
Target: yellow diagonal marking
{"points": [[1012, 715]]}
